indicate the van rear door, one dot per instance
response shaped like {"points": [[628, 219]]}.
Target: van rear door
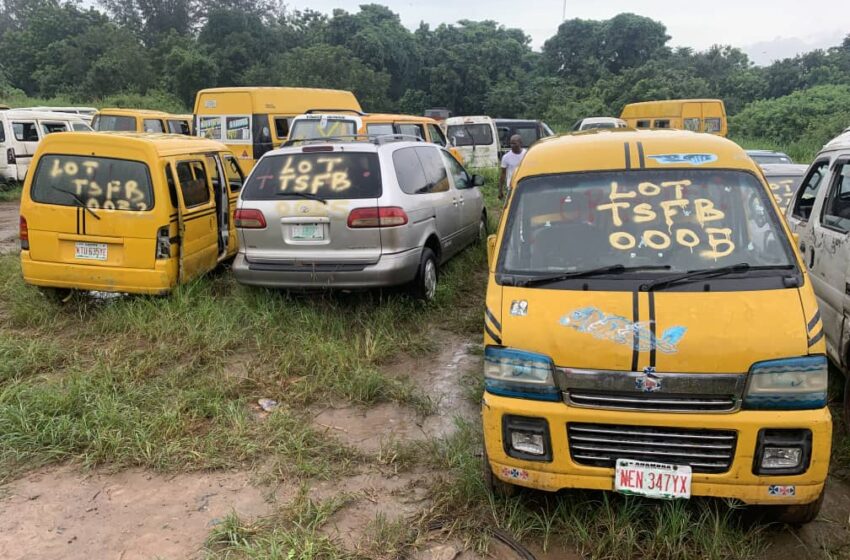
{"points": [[307, 199], [197, 221], [93, 211]]}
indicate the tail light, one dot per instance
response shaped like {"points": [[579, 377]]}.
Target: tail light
{"points": [[10, 156], [381, 216], [24, 234], [249, 219], [163, 243]]}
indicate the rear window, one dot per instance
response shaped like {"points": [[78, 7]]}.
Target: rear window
{"points": [[178, 127], [111, 184], [329, 175], [114, 123], [153, 125], [712, 125], [783, 188], [527, 133], [329, 127], [470, 134]]}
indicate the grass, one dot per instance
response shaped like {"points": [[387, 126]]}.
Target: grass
{"points": [[10, 192]]}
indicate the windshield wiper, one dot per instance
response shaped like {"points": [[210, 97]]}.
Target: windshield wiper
{"points": [[695, 275], [613, 269], [303, 195], [78, 200]]}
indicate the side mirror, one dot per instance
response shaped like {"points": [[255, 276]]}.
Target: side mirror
{"points": [[491, 250], [477, 181]]}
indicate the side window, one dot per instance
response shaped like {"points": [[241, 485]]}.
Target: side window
{"points": [[435, 169], [661, 123], [193, 183], [692, 124], [808, 191], [836, 208], [409, 171], [152, 125], [80, 127], [411, 130], [234, 173], [178, 127], [172, 188], [50, 128], [281, 127], [437, 136], [459, 174], [209, 127], [642, 124], [25, 131], [379, 129]]}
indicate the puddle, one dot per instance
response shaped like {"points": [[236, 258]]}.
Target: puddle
{"points": [[61, 513], [9, 224]]}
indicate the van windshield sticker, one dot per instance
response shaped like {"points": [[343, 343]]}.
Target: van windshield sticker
{"points": [[618, 329], [110, 184], [647, 207], [693, 159]]}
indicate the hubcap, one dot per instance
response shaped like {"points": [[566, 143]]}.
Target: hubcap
{"points": [[430, 278]]}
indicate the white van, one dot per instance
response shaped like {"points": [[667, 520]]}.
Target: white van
{"points": [[476, 138], [85, 113], [819, 217], [20, 133]]}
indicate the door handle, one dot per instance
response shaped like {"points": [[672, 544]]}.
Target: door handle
{"points": [[812, 259], [802, 246]]}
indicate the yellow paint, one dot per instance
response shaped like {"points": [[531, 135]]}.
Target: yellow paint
{"points": [[130, 236], [265, 105], [697, 115], [726, 331]]}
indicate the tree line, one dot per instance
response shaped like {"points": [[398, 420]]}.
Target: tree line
{"points": [[166, 50]]}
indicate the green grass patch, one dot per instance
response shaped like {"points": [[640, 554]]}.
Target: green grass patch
{"points": [[10, 192], [599, 525]]}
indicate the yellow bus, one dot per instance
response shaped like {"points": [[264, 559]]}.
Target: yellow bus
{"points": [[696, 115], [254, 120]]}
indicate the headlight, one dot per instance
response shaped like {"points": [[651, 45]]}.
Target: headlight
{"points": [[793, 383], [516, 373]]}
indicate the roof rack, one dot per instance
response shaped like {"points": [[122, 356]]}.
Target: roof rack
{"points": [[353, 111], [377, 139]]}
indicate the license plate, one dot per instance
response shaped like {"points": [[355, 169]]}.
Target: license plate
{"points": [[90, 251], [654, 480], [308, 232]]}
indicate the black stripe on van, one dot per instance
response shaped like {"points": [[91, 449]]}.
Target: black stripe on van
{"points": [[204, 214], [79, 210], [628, 153], [814, 339], [493, 320], [492, 334], [814, 321], [642, 161]]}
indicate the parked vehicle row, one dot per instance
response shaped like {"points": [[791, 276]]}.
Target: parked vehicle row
{"points": [[141, 120]]}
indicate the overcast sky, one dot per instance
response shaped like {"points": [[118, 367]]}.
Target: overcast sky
{"points": [[766, 30]]}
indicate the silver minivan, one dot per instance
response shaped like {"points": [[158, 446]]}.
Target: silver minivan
{"points": [[359, 214]]}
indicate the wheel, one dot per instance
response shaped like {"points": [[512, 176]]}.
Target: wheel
{"points": [[482, 229], [795, 515], [491, 483], [424, 286], [57, 295]]}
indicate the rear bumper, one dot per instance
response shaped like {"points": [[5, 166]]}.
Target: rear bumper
{"points": [[738, 482], [390, 270], [159, 280]]}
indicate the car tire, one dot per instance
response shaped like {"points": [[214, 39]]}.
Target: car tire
{"points": [[493, 485], [57, 295], [796, 514], [424, 286], [483, 229]]}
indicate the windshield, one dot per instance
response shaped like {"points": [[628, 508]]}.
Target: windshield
{"points": [[308, 129], [105, 123], [469, 134], [111, 184], [329, 175], [681, 218], [783, 188]]}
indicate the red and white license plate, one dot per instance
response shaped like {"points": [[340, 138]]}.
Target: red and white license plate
{"points": [[90, 251], [654, 480]]}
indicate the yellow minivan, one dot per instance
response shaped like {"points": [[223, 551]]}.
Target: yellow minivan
{"points": [[650, 328], [126, 212], [696, 115], [141, 120], [254, 120]]}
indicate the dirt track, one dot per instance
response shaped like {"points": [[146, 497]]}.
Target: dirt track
{"points": [[9, 223]]}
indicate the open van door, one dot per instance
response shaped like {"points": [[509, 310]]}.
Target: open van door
{"points": [[196, 218]]}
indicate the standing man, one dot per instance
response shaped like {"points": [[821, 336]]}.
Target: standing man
{"points": [[510, 161]]}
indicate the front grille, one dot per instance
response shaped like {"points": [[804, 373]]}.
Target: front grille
{"points": [[600, 445], [653, 402]]}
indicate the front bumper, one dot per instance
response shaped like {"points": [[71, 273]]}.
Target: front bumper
{"points": [[390, 270], [738, 482]]}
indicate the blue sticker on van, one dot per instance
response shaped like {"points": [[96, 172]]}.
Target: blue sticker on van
{"points": [[693, 159], [620, 330]]}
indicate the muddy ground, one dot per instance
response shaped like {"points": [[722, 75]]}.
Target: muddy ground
{"points": [[64, 512], [9, 223]]}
